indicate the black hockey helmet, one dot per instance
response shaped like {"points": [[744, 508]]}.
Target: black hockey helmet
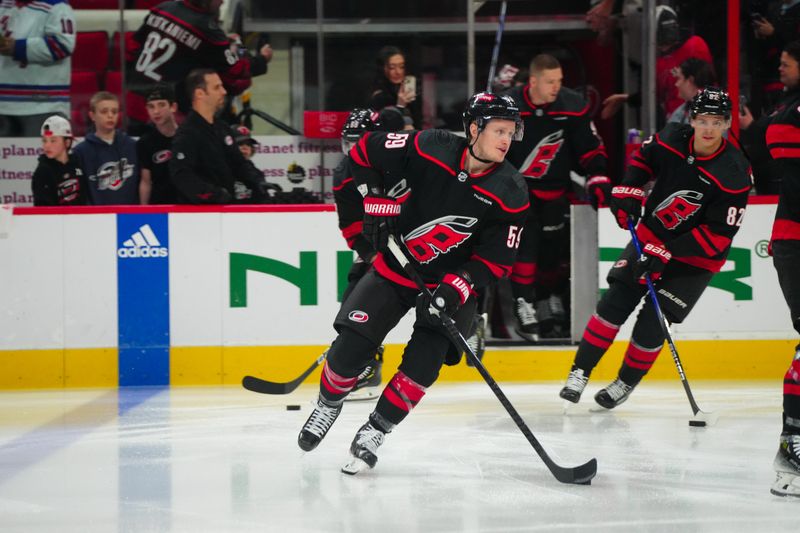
{"points": [[359, 122], [483, 107], [711, 101]]}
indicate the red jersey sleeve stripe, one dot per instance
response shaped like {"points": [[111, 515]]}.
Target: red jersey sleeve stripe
{"points": [[668, 147], [342, 184], [352, 230], [783, 133], [703, 242], [359, 152], [497, 199], [638, 164], [431, 158], [719, 242], [600, 150], [715, 180], [785, 230], [784, 152], [497, 270]]}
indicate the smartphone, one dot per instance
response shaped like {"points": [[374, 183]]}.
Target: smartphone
{"points": [[756, 16], [410, 85]]}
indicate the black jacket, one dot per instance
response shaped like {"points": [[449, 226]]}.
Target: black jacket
{"points": [[206, 163], [56, 183]]}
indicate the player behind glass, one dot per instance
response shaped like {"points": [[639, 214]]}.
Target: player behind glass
{"points": [[350, 210], [559, 137], [457, 209], [690, 217]]}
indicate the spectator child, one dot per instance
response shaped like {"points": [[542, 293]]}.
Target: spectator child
{"points": [[57, 179], [107, 156], [154, 148]]}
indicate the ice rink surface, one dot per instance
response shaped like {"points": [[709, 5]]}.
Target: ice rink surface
{"points": [[224, 459]]}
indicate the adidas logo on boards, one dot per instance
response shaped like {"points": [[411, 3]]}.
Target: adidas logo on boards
{"points": [[143, 243]]}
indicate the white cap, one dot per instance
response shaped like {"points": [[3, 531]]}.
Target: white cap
{"points": [[58, 126]]}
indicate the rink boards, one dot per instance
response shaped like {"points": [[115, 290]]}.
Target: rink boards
{"points": [[154, 295]]}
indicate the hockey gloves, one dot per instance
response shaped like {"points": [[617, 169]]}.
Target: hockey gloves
{"points": [[380, 219], [451, 293], [653, 261], [599, 190], [626, 202]]}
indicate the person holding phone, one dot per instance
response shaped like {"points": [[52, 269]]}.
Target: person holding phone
{"points": [[393, 87]]}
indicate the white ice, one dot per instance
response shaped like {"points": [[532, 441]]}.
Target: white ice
{"points": [[224, 459]]}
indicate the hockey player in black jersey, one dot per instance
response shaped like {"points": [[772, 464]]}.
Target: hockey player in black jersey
{"points": [[559, 137], [783, 142], [690, 218], [177, 37], [457, 209], [350, 210]]}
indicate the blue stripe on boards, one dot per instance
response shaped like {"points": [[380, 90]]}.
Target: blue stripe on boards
{"points": [[143, 299]]}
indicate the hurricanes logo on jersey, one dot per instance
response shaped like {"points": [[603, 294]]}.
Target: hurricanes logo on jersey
{"points": [[438, 237], [678, 207], [538, 161]]}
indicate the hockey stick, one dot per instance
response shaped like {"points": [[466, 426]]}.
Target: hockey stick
{"points": [[263, 386], [496, 51], [701, 419], [579, 475]]}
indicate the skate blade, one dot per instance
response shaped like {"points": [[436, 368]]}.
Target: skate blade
{"points": [[362, 395], [568, 406], [354, 466], [786, 484], [599, 409]]}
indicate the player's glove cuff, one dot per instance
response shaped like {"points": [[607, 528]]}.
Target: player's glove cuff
{"points": [[626, 201], [599, 190]]}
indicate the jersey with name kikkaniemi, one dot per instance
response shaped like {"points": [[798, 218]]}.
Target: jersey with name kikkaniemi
{"points": [[450, 220], [697, 203]]}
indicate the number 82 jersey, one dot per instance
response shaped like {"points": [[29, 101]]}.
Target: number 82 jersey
{"points": [[175, 39]]}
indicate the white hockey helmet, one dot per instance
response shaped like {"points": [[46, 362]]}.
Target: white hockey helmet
{"points": [[56, 126]]}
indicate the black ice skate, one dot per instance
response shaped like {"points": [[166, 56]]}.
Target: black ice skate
{"points": [[477, 342], [576, 382], [527, 324], [614, 394], [787, 467], [316, 427], [364, 449]]}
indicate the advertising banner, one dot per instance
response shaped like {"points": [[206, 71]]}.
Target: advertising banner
{"points": [[291, 162]]}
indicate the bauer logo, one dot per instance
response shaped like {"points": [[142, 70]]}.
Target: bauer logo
{"points": [[142, 243], [358, 316]]}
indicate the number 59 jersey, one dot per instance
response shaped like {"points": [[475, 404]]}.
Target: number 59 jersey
{"points": [[697, 203], [450, 220]]}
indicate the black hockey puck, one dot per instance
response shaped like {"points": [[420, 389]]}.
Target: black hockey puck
{"points": [[292, 407], [697, 423]]}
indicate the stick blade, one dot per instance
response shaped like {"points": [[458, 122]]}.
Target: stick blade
{"points": [[263, 386], [702, 419], [579, 475]]}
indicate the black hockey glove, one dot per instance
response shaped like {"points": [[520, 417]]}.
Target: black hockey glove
{"points": [[653, 261], [599, 190], [626, 201], [451, 293], [380, 219]]}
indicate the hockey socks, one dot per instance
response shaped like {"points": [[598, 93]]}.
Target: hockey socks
{"points": [[597, 337], [333, 387], [400, 396]]}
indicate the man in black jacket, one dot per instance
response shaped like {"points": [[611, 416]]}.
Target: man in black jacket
{"points": [[207, 164]]}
